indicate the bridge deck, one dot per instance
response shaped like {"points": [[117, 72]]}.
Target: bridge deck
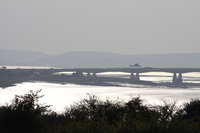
{"points": [[100, 70]]}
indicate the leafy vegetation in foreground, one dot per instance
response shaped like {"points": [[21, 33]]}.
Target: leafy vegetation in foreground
{"points": [[26, 115]]}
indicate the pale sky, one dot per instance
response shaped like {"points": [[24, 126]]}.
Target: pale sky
{"points": [[119, 26]]}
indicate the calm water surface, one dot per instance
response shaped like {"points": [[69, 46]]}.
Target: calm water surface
{"points": [[60, 96]]}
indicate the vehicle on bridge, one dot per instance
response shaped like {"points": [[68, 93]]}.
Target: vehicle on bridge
{"points": [[135, 65]]}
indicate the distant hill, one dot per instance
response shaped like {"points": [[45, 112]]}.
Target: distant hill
{"points": [[81, 59], [14, 57], [105, 59], [98, 59]]}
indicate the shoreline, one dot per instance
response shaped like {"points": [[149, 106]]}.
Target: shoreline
{"points": [[93, 81]]}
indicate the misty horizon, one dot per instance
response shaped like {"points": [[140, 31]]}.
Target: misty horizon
{"points": [[98, 52], [114, 48], [123, 27], [97, 59]]}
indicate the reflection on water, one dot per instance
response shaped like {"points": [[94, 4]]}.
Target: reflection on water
{"points": [[61, 96], [157, 77]]}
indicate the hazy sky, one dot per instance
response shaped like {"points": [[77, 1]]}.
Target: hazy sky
{"points": [[119, 26]]}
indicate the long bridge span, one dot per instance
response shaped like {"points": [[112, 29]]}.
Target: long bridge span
{"points": [[134, 72]]}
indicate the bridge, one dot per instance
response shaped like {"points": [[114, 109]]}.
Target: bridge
{"points": [[134, 72]]}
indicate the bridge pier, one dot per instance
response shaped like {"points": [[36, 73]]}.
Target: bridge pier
{"points": [[132, 76], [177, 80], [77, 74], [88, 75], [135, 77], [93, 75]]}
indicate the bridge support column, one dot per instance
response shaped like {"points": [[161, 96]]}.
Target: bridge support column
{"points": [[78, 74], [88, 75], [135, 77], [177, 80], [174, 78], [180, 79], [94, 75], [132, 76]]}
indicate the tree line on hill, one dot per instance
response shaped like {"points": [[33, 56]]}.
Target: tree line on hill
{"points": [[26, 115]]}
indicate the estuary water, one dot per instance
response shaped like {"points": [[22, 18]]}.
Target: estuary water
{"points": [[64, 95]]}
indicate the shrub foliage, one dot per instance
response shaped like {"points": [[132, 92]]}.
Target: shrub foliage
{"points": [[26, 115]]}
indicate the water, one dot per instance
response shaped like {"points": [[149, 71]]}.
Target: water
{"points": [[63, 95]]}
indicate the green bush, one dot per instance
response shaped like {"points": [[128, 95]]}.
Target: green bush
{"points": [[22, 115], [26, 115]]}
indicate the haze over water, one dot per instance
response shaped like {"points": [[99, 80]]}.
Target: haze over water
{"points": [[124, 27], [62, 95]]}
